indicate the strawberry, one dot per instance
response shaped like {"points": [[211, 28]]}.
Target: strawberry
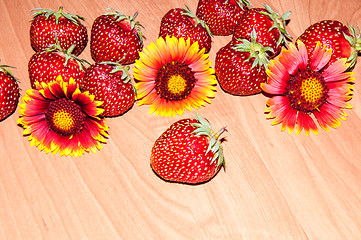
{"points": [[221, 16], [188, 152], [332, 34], [116, 37], [241, 68], [269, 25], [180, 22], [68, 28], [47, 65], [110, 83], [9, 92]]}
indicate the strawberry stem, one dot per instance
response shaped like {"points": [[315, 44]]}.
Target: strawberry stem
{"points": [[125, 72], [119, 16], [279, 22], [67, 53], [4, 68], [219, 133], [76, 19], [189, 13], [243, 4], [256, 51], [203, 127], [355, 42]]}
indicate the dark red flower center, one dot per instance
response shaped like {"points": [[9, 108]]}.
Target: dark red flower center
{"points": [[65, 117], [307, 91], [174, 81]]}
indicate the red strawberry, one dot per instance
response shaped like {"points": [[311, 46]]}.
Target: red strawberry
{"points": [[240, 68], [332, 34], [68, 28], [181, 22], [46, 66], [116, 37], [221, 16], [110, 83], [269, 25], [188, 152], [9, 92]]}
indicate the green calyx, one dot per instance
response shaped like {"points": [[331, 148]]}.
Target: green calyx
{"points": [[279, 22], [189, 13], [355, 42], [67, 53], [76, 19], [243, 4], [5, 69], [204, 128], [118, 16], [117, 67], [256, 51]]}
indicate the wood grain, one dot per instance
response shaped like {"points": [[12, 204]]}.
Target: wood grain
{"points": [[276, 185]]}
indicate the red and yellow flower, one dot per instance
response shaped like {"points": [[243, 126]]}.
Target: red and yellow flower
{"points": [[58, 117], [173, 75], [305, 88]]}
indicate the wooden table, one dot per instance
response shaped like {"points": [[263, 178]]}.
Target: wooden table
{"points": [[276, 185]]}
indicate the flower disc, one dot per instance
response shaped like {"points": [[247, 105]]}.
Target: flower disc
{"points": [[58, 117], [173, 75], [302, 86]]}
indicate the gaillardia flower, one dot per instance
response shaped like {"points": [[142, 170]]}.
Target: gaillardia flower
{"points": [[304, 89], [174, 75], [58, 117]]}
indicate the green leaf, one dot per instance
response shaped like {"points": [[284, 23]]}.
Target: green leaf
{"points": [[203, 128], [76, 19], [256, 51], [189, 13], [286, 15], [212, 142]]}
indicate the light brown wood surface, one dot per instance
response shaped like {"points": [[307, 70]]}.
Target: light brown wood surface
{"points": [[276, 185]]}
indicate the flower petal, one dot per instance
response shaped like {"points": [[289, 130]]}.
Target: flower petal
{"points": [[336, 71], [293, 65], [320, 57], [38, 124], [168, 52]]}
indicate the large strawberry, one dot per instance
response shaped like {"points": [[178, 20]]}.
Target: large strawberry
{"points": [[68, 28], [188, 152], [9, 92], [269, 25], [47, 65], [116, 37], [343, 40], [180, 22], [221, 16], [110, 83], [241, 68]]}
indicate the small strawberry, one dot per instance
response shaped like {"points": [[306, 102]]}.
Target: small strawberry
{"points": [[116, 37], [180, 22], [110, 83], [9, 92], [68, 28], [188, 152], [269, 25], [241, 68], [47, 65], [221, 16], [343, 40]]}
